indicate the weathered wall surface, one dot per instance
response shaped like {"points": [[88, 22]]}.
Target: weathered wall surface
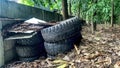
{"points": [[7, 47], [18, 11], [14, 10], [1, 50], [9, 50]]}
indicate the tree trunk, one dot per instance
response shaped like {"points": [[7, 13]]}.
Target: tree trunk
{"points": [[65, 9], [112, 13], [79, 10], [94, 23], [69, 6]]}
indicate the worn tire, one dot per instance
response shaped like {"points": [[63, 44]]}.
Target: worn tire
{"points": [[36, 39], [62, 46], [59, 47], [27, 51], [75, 38], [63, 30], [28, 59]]}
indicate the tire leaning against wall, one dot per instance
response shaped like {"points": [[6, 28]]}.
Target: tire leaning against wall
{"points": [[61, 31]]}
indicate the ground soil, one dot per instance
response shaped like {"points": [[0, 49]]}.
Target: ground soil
{"points": [[98, 50]]}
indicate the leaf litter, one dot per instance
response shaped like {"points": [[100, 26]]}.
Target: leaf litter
{"points": [[99, 50]]}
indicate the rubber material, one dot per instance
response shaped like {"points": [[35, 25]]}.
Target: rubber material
{"points": [[28, 51], [62, 46], [36, 39], [28, 59], [59, 47], [63, 30]]}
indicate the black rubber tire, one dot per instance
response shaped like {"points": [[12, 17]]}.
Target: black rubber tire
{"points": [[62, 46], [61, 31], [53, 49], [76, 39], [36, 39], [27, 51], [28, 59]]}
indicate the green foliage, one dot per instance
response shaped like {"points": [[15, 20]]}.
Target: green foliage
{"points": [[51, 4], [89, 10], [117, 12], [27, 2]]}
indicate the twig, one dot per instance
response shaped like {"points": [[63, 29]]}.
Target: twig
{"points": [[76, 49]]}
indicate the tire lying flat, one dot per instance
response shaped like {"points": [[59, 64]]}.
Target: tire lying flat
{"points": [[63, 30]]}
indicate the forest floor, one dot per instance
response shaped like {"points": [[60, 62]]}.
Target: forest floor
{"points": [[98, 50]]}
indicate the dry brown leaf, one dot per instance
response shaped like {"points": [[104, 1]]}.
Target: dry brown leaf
{"points": [[97, 38], [66, 58], [49, 63], [117, 64], [118, 53], [72, 65], [92, 56], [63, 63], [104, 61], [107, 61], [81, 59], [63, 66], [59, 61]]}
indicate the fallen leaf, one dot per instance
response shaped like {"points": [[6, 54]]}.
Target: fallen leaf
{"points": [[97, 38], [59, 61], [107, 61], [117, 64], [66, 58], [63, 66], [49, 63], [118, 53], [92, 56]]}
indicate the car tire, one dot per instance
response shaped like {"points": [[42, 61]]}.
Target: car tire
{"points": [[53, 49], [36, 39], [28, 59], [63, 30], [27, 51]]}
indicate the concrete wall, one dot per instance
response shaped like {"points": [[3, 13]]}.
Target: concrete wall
{"points": [[9, 50], [1, 51], [14, 10], [7, 47]]}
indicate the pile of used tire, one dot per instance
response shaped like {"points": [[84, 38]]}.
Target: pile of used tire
{"points": [[61, 37], [30, 49]]}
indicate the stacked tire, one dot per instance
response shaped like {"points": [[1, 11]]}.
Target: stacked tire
{"points": [[30, 49], [60, 38]]}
